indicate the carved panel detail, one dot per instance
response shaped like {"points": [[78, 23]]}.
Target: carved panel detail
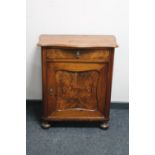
{"points": [[77, 90]]}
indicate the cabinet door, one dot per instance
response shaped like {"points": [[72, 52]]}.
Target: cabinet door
{"points": [[76, 88]]}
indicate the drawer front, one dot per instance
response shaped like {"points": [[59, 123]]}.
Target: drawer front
{"points": [[82, 54]]}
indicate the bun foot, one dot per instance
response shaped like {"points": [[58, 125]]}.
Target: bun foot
{"points": [[104, 125], [45, 125]]}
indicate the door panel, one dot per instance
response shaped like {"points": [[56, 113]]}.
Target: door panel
{"points": [[76, 86], [77, 90]]}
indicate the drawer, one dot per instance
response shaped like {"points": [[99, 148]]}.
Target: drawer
{"points": [[83, 54]]}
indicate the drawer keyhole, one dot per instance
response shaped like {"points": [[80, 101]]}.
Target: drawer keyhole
{"points": [[51, 91], [78, 54]]}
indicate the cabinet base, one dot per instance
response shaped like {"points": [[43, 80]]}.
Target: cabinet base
{"points": [[104, 125], [45, 125]]}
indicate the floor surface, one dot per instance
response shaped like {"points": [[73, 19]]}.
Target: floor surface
{"points": [[77, 138]]}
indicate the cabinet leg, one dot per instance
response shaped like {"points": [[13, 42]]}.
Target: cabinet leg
{"points": [[45, 125], [104, 125]]}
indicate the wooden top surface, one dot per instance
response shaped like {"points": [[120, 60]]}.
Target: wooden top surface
{"points": [[78, 41]]}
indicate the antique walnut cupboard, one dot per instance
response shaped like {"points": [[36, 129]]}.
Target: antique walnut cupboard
{"points": [[76, 77]]}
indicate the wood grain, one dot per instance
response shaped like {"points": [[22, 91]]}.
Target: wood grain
{"points": [[77, 77], [76, 86], [77, 90], [72, 115], [77, 41], [83, 54]]}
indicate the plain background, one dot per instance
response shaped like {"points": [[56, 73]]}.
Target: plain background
{"points": [[77, 17], [13, 77]]}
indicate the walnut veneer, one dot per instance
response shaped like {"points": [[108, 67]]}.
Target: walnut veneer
{"points": [[76, 77]]}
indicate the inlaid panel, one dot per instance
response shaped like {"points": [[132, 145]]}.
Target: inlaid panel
{"points": [[77, 90]]}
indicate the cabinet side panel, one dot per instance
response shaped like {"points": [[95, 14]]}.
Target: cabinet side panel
{"points": [[102, 86], [44, 83], [109, 84]]}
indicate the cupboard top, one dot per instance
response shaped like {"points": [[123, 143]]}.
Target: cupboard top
{"points": [[78, 41]]}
